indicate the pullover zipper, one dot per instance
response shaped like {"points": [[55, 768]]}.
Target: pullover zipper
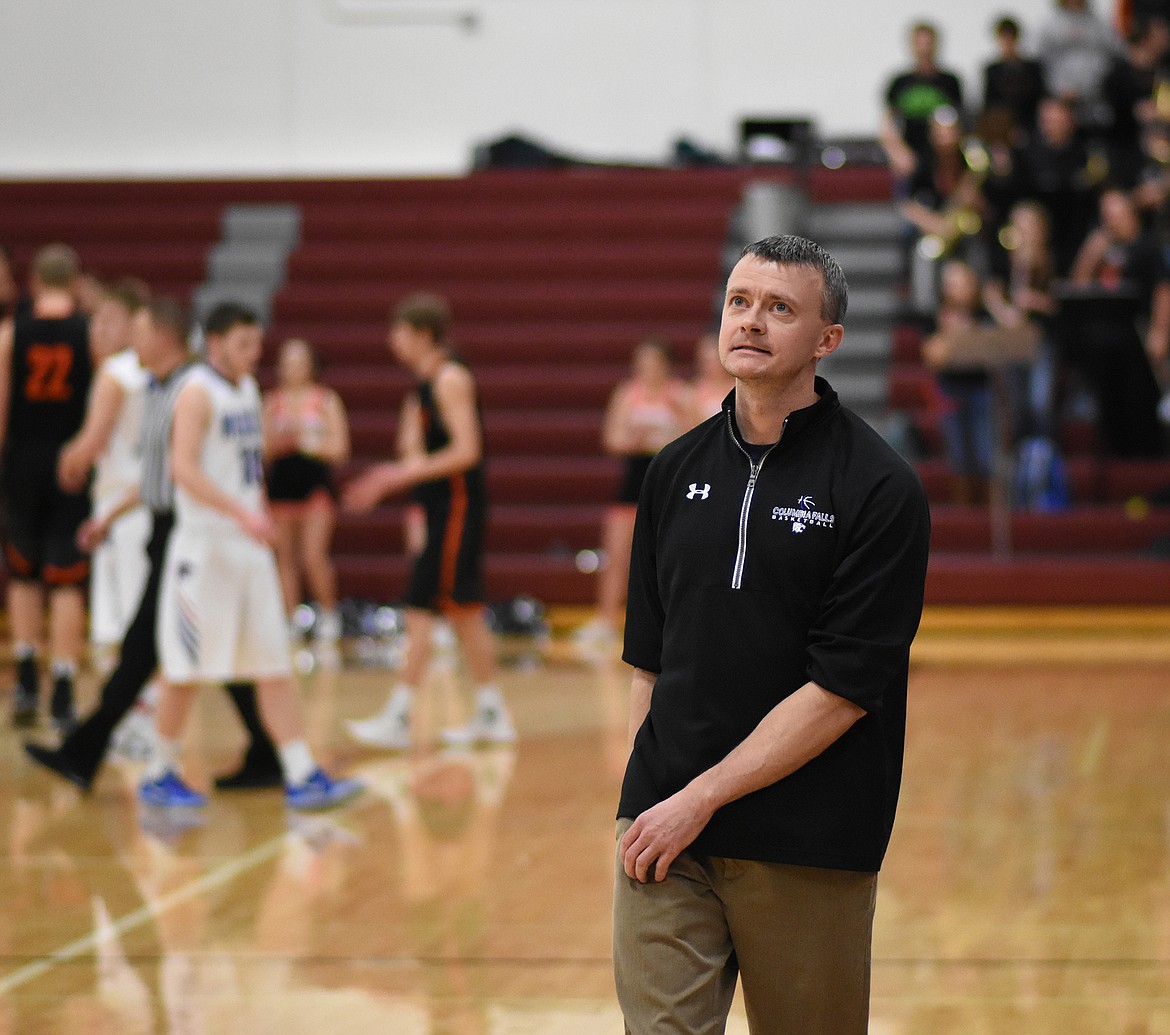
{"points": [[749, 492]]}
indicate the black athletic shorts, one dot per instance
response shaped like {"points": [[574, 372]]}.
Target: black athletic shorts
{"points": [[41, 521], [633, 474], [449, 571]]}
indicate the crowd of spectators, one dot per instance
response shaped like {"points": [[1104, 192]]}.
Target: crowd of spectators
{"points": [[1050, 190]]}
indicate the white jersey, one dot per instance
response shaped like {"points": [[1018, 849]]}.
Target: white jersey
{"points": [[220, 611], [232, 454], [120, 466]]}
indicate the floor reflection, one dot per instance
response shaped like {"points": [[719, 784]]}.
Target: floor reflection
{"points": [[468, 892]]}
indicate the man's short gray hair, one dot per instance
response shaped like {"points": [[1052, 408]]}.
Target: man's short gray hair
{"points": [[790, 250]]}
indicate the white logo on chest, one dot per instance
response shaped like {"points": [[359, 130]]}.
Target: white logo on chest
{"points": [[699, 491], [804, 515]]}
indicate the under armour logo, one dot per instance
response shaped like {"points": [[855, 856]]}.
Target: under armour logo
{"points": [[702, 493]]}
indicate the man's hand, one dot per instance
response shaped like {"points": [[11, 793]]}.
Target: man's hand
{"points": [[92, 533], [258, 525], [660, 834], [366, 491], [72, 469]]}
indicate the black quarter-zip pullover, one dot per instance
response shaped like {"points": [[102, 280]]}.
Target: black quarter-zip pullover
{"points": [[747, 580]]}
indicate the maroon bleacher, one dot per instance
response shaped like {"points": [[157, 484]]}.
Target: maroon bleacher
{"points": [[554, 277]]}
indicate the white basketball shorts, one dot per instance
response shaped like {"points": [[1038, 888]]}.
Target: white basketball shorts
{"points": [[221, 616], [118, 570]]}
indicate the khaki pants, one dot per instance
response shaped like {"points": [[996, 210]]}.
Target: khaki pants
{"points": [[798, 937]]}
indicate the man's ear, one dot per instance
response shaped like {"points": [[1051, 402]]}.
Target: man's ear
{"points": [[830, 340]]}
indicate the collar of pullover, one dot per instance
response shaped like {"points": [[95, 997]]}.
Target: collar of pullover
{"points": [[798, 420]]}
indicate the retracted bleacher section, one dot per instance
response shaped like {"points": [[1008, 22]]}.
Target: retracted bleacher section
{"points": [[554, 276]]}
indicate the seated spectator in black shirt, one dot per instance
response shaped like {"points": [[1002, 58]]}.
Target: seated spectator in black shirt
{"points": [[1013, 84], [1117, 333], [1064, 174], [913, 97]]}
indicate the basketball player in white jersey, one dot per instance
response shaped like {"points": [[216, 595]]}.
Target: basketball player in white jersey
{"points": [[221, 616], [108, 442]]}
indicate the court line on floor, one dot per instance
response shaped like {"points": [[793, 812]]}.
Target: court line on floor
{"points": [[214, 878]]}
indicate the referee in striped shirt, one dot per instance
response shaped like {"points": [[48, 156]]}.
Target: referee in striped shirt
{"points": [[160, 338]]}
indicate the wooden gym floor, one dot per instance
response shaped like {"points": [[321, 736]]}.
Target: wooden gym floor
{"points": [[1027, 888]]}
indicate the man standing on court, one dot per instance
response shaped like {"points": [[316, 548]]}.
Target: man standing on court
{"points": [[776, 583], [440, 446], [220, 611], [45, 373]]}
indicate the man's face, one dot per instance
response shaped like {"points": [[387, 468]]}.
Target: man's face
{"points": [[923, 44], [772, 328], [408, 342], [236, 352]]}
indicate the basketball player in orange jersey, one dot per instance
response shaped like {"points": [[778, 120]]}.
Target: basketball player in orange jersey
{"points": [[45, 373], [440, 449]]}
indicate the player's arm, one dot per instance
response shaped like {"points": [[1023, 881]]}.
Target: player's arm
{"points": [[455, 398], [381, 480], [793, 733], [81, 452], [6, 342], [189, 426]]}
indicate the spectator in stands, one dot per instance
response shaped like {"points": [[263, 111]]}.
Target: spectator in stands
{"points": [[1061, 172], [995, 151], [1075, 48], [306, 433], [966, 391], [912, 98], [645, 412], [1122, 272], [944, 206], [711, 383], [1152, 193], [1128, 94], [1012, 84], [1018, 292]]}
